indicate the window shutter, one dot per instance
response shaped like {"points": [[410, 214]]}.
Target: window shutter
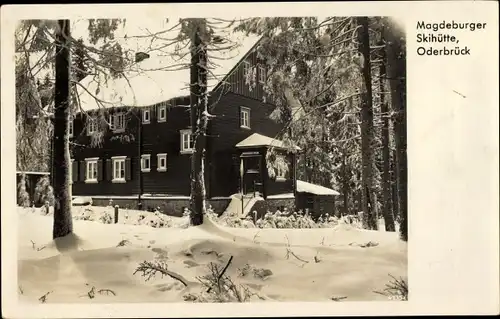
{"points": [[127, 170], [109, 170], [83, 168], [111, 122], [74, 171], [99, 170]]}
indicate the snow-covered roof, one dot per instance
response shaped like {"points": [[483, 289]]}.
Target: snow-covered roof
{"points": [[157, 79], [259, 140], [305, 187]]}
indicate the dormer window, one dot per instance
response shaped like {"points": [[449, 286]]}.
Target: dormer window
{"points": [[117, 122], [162, 113], [91, 125], [247, 71], [146, 116], [262, 74], [244, 117]]}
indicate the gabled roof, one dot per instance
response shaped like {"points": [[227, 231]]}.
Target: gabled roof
{"points": [[228, 74], [305, 187], [157, 79], [259, 140]]}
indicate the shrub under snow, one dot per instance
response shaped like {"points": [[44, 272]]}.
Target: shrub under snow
{"points": [[23, 198], [43, 192], [230, 219], [284, 219]]}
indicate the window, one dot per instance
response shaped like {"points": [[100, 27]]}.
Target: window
{"points": [[282, 168], [146, 163], [246, 70], [262, 74], [118, 168], [92, 126], [146, 116], [187, 141], [162, 162], [162, 113], [117, 122], [309, 202], [245, 117], [70, 128], [281, 174], [91, 172]]}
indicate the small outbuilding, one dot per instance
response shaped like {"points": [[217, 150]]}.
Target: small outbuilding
{"points": [[316, 199]]}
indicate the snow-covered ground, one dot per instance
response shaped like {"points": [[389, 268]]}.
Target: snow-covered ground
{"points": [[97, 264]]}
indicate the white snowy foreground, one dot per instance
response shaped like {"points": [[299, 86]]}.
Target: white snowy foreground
{"points": [[97, 264]]}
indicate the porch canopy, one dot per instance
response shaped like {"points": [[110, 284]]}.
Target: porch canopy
{"points": [[305, 187], [257, 140]]}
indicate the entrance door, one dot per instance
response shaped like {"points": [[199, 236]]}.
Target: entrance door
{"points": [[252, 177]]}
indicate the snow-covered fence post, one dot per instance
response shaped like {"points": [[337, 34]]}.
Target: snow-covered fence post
{"points": [[116, 214]]}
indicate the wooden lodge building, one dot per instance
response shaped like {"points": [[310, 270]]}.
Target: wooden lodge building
{"points": [[143, 157]]}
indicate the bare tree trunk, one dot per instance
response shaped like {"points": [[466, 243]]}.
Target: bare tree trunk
{"points": [[199, 119], [396, 67], [63, 223], [394, 185], [386, 178], [345, 182], [367, 131]]}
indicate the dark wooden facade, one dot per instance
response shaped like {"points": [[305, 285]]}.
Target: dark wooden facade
{"points": [[164, 137]]}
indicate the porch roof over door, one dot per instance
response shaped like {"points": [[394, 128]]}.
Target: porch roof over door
{"points": [[258, 140]]}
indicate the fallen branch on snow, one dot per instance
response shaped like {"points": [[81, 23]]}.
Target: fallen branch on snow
{"points": [[338, 298], [366, 245], [123, 242], [223, 271], [91, 293], [150, 269], [36, 248], [106, 291], [256, 236], [316, 258], [220, 287], [290, 252], [395, 290], [43, 298]]}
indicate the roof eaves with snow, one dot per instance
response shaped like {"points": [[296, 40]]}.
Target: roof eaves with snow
{"points": [[151, 84], [305, 187]]}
